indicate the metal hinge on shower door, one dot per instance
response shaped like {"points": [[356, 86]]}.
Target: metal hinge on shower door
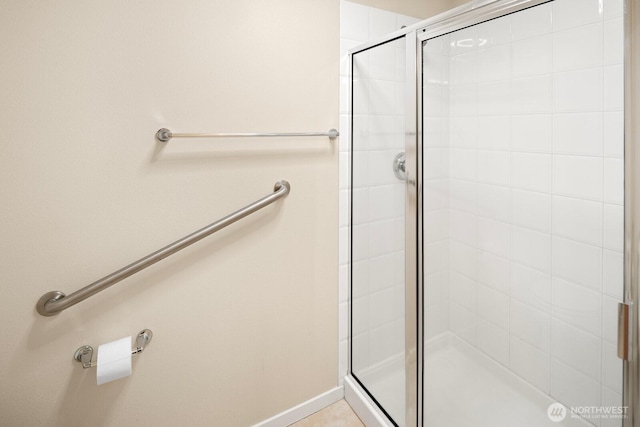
{"points": [[624, 331]]}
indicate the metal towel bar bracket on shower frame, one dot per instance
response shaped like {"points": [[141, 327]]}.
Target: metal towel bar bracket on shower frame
{"points": [[164, 135], [54, 302]]}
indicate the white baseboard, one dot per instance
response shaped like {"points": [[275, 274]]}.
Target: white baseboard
{"points": [[304, 409], [366, 410]]}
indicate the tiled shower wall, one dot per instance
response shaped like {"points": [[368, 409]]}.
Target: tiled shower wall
{"points": [[358, 24], [524, 168]]}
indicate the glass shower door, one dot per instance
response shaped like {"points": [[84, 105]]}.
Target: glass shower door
{"points": [[523, 212], [378, 199]]}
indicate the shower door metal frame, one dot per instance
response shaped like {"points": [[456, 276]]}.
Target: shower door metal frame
{"points": [[459, 18]]}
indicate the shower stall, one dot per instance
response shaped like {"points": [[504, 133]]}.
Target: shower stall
{"points": [[492, 257]]}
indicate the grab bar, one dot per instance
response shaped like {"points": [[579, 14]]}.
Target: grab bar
{"points": [[164, 134], [55, 301]]}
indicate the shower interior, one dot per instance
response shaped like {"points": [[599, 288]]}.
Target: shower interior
{"points": [[519, 187]]}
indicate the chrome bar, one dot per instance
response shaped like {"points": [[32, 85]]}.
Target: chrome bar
{"points": [[164, 134], [55, 301]]}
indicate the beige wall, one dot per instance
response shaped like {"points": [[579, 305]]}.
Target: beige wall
{"points": [[417, 8], [245, 322]]}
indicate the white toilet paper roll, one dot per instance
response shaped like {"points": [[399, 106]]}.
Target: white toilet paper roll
{"points": [[114, 360]]}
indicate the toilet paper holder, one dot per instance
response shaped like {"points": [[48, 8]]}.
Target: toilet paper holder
{"points": [[84, 354]]}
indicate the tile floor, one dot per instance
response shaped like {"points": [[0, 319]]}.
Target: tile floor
{"points": [[339, 414]]}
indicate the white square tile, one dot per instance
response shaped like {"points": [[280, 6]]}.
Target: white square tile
{"points": [[436, 163], [572, 13], [613, 227], [360, 208], [577, 306], [529, 363], [493, 341], [385, 132], [463, 227], [382, 97], [493, 98], [360, 279], [360, 100], [531, 248], [579, 47], [579, 90], [578, 176], [462, 100], [381, 23], [462, 164], [463, 195], [614, 41], [571, 387], [436, 226], [343, 246], [613, 8], [494, 202], [343, 283], [531, 133], [462, 69], [494, 32], [611, 367], [612, 274], [494, 271], [531, 22], [435, 100], [493, 237], [360, 242], [382, 62], [576, 348], [463, 259], [386, 201], [385, 237], [435, 131], [613, 88], [577, 262], [577, 219], [436, 289], [531, 171], [493, 132], [531, 287], [462, 322], [530, 325], [436, 257], [494, 63], [380, 308], [493, 167], [436, 194], [614, 134], [531, 210], [436, 320], [577, 133], [531, 95], [493, 306], [614, 180], [380, 173], [532, 56], [462, 132], [381, 273], [354, 21]]}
